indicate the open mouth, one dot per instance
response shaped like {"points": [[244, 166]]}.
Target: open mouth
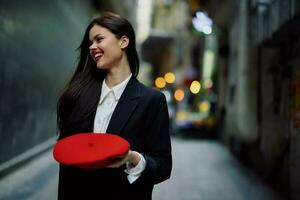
{"points": [[97, 55]]}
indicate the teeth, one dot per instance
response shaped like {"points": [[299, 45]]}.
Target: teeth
{"points": [[98, 55]]}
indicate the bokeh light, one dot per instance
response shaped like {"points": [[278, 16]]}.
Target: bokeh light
{"points": [[179, 94], [195, 87], [204, 106], [160, 82], [170, 77]]}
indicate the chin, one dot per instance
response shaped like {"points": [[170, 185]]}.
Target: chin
{"points": [[100, 66]]}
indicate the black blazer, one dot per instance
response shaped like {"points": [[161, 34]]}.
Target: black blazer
{"points": [[141, 117]]}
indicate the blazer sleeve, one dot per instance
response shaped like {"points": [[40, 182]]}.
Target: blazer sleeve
{"points": [[158, 145]]}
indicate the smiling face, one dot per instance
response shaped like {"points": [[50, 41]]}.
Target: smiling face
{"points": [[105, 48]]}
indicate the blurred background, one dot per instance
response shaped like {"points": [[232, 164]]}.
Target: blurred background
{"points": [[230, 70]]}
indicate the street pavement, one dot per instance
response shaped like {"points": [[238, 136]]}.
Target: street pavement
{"points": [[202, 170]]}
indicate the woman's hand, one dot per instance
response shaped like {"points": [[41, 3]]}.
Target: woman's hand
{"points": [[132, 157]]}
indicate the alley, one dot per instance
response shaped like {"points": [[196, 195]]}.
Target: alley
{"points": [[202, 170]]}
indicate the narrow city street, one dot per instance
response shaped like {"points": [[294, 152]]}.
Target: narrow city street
{"points": [[202, 170], [205, 170]]}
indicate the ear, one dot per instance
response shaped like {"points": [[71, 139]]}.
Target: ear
{"points": [[124, 41]]}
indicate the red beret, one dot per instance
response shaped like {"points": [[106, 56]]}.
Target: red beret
{"points": [[90, 150]]}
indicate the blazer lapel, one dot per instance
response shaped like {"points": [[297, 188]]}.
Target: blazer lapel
{"points": [[125, 107]]}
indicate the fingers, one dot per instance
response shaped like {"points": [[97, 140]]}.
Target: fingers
{"points": [[118, 162]]}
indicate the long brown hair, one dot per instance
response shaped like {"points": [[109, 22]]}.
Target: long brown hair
{"points": [[81, 95]]}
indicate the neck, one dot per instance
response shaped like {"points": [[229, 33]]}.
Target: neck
{"points": [[117, 74]]}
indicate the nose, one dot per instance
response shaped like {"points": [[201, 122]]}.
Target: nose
{"points": [[92, 46]]}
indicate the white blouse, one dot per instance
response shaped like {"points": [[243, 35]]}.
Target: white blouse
{"points": [[106, 106]]}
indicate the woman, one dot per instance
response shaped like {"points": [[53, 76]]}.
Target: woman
{"points": [[105, 96]]}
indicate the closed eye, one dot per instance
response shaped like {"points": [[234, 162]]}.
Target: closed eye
{"points": [[98, 39]]}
